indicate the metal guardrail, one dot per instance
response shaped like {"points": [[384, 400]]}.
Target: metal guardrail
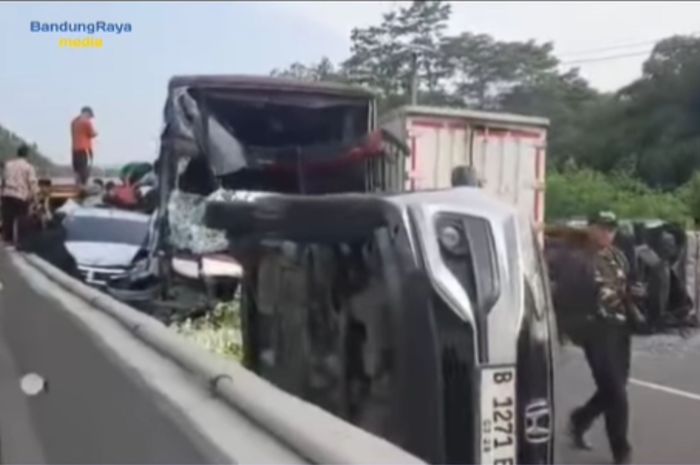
{"points": [[303, 427]]}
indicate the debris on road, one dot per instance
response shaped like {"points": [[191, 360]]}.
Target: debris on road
{"points": [[32, 384]]}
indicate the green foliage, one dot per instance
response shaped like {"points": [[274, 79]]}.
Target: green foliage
{"points": [[218, 331], [10, 142], [690, 194], [486, 70], [649, 130], [576, 192], [573, 108], [658, 116], [382, 56], [648, 134], [324, 70]]}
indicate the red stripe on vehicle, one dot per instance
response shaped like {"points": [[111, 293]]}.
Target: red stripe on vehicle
{"points": [[538, 177], [414, 162]]}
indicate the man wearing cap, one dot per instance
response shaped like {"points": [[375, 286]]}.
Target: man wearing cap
{"points": [[607, 345], [82, 133]]}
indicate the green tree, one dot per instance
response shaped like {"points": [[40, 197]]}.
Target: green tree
{"points": [[649, 130], [661, 113], [324, 70], [690, 194], [484, 69], [10, 142], [382, 57], [571, 105], [580, 192], [421, 31]]}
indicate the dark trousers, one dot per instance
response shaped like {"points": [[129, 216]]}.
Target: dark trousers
{"points": [[13, 209], [81, 166], [608, 353]]}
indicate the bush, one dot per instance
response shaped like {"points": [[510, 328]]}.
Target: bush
{"points": [[218, 331], [690, 193], [574, 193]]}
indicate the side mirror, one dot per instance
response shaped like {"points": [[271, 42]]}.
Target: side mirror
{"points": [[464, 176]]}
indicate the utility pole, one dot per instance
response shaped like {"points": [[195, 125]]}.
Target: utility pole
{"points": [[414, 78]]}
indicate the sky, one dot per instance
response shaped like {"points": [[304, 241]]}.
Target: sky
{"points": [[42, 86]]}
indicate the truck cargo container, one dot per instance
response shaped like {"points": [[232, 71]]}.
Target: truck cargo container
{"points": [[507, 151]]}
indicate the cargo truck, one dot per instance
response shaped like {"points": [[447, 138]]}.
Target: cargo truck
{"points": [[507, 152]]}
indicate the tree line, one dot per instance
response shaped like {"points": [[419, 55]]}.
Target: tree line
{"points": [[644, 136], [647, 132], [10, 142]]}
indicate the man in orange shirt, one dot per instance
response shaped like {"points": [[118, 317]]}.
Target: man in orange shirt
{"points": [[82, 133]]}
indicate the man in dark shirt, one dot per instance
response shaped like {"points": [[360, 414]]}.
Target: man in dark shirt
{"points": [[607, 346]]}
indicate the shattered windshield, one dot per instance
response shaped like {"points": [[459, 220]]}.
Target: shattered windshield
{"points": [[238, 129]]}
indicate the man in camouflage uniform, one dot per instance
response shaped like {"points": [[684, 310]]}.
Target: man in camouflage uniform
{"points": [[607, 346]]}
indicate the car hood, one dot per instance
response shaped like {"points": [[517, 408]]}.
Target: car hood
{"points": [[102, 254]]}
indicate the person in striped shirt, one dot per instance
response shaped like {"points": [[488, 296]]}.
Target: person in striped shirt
{"points": [[19, 188]]}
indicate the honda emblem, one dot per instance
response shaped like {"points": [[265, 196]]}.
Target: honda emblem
{"points": [[538, 422]]}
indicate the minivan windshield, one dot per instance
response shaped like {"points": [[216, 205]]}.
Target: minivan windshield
{"points": [[112, 230]]}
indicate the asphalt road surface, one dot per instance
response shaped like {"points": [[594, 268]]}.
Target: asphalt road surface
{"points": [[93, 411], [664, 394]]}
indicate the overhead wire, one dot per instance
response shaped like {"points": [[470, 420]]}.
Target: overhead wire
{"points": [[606, 58], [630, 54], [622, 45], [609, 48]]}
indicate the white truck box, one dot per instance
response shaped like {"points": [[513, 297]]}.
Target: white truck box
{"points": [[507, 151]]}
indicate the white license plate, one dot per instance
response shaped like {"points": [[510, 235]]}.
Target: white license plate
{"points": [[498, 420]]}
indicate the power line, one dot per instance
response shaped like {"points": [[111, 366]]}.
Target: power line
{"points": [[608, 49], [620, 46], [606, 58]]}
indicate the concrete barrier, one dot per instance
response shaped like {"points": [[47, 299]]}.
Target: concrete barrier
{"points": [[206, 428], [305, 428]]}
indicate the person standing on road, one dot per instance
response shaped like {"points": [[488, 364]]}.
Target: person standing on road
{"points": [[607, 343], [19, 187], [82, 133]]}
